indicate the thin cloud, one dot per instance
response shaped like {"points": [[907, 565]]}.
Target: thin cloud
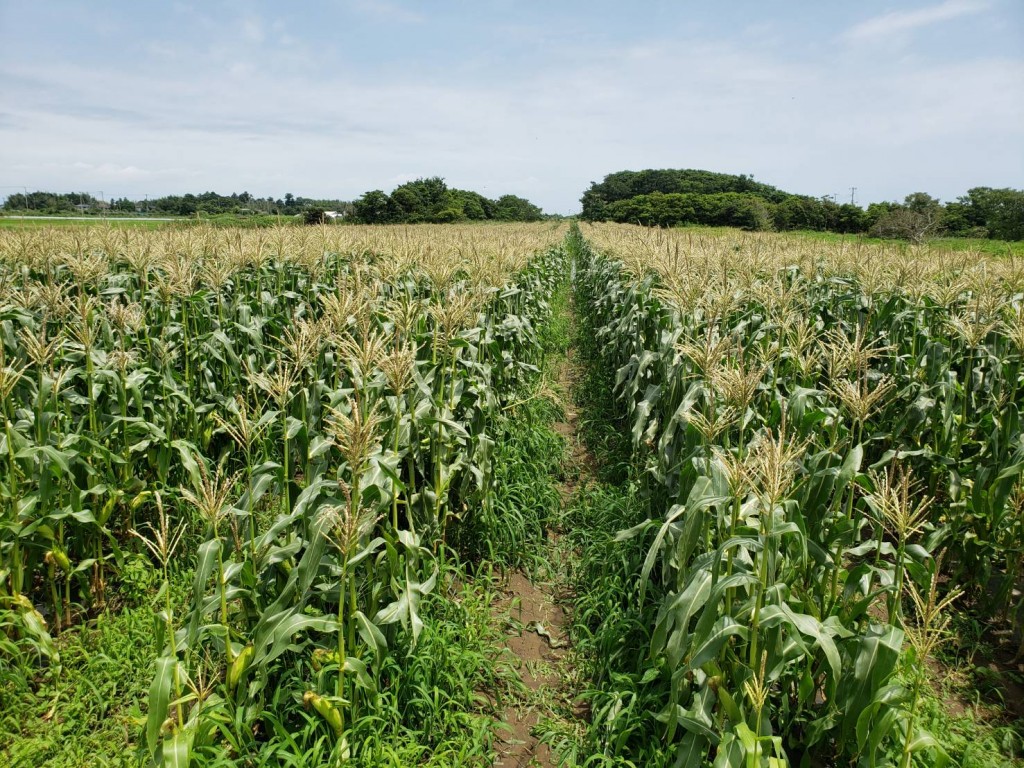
{"points": [[253, 31], [896, 22], [384, 10], [335, 121]]}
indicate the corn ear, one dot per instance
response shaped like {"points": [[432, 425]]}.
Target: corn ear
{"points": [[239, 666], [326, 710]]}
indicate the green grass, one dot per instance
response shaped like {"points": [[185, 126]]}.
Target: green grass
{"points": [[42, 222], [610, 624], [509, 529], [974, 736], [92, 711], [89, 711], [219, 220], [977, 245]]}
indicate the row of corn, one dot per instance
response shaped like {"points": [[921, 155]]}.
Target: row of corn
{"points": [[829, 439], [301, 416]]}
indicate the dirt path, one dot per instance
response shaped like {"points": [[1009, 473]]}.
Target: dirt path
{"points": [[536, 625], [538, 648]]}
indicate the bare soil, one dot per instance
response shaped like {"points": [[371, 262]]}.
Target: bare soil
{"points": [[537, 642]]}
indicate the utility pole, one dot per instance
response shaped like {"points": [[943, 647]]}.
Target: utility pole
{"points": [[853, 192], [22, 187]]}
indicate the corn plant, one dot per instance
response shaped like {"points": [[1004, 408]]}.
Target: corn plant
{"points": [[307, 415], [809, 427]]}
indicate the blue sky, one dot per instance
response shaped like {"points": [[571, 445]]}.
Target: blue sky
{"points": [[329, 99]]}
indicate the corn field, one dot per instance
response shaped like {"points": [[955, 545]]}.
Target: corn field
{"points": [[298, 449], [829, 440], [308, 413]]}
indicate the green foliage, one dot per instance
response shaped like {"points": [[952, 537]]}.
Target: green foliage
{"points": [[999, 212], [917, 219], [727, 209], [624, 185], [314, 216], [512, 208], [430, 200], [741, 210], [513, 520], [375, 207], [764, 517], [473, 206], [315, 426], [52, 202], [799, 213], [669, 198], [207, 203], [87, 711]]}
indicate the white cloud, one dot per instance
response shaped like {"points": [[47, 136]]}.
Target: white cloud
{"points": [[252, 30], [897, 22], [543, 132], [385, 10]]}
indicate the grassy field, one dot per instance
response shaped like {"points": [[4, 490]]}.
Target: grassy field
{"points": [[224, 221], [972, 244], [977, 245], [43, 222]]}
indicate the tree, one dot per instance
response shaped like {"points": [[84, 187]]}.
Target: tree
{"points": [[474, 206], [313, 216], [923, 203], [958, 219], [594, 205], [1000, 211], [725, 209], [799, 212], [375, 207], [188, 205], [627, 184], [513, 208], [850, 219], [918, 218]]}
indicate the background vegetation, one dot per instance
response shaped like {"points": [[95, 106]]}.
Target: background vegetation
{"points": [[415, 202], [430, 200], [667, 198]]}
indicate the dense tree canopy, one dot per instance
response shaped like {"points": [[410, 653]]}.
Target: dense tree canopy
{"points": [[668, 198], [627, 184], [430, 200], [1000, 212], [51, 202]]}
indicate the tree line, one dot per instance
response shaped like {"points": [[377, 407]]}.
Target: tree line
{"points": [[431, 200], [189, 204], [668, 198], [422, 200]]}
